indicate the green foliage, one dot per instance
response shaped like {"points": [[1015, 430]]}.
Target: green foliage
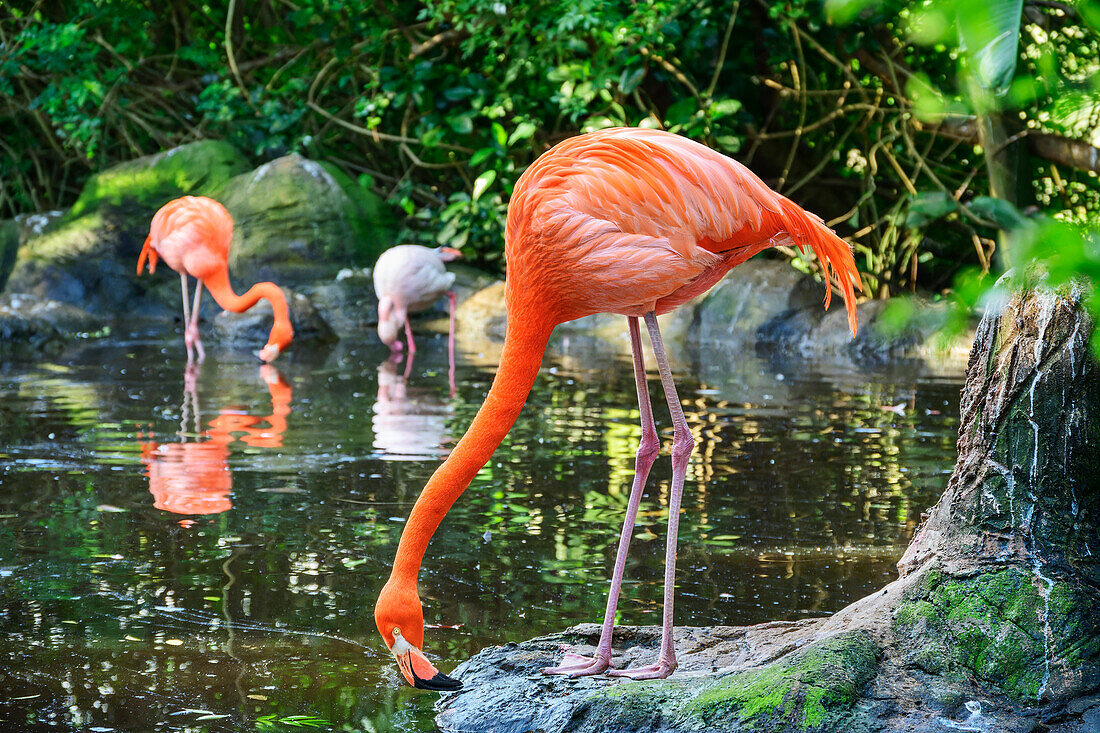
{"points": [[862, 110]]}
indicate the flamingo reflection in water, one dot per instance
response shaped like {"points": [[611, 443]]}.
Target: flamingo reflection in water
{"points": [[408, 427], [193, 476]]}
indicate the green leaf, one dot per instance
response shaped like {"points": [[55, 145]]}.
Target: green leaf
{"points": [[989, 32], [499, 134], [523, 131], [629, 80], [998, 211], [481, 156], [723, 107], [482, 183], [927, 206]]}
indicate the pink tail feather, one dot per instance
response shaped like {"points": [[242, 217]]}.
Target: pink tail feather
{"points": [[834, 253], [147, 252]]}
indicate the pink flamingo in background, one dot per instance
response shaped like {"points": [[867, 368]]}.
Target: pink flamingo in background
{"points": [[193, 234], [408, 279], [628, 221]]}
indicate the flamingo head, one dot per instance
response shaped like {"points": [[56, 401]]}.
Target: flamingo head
{"points": [[282, 333], [448, 254], [399, 617], [389, 323]]}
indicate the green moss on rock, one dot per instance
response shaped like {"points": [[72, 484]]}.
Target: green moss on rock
{"points": [[298, 220], [148, 183], [1005, 628], [812, 689]]}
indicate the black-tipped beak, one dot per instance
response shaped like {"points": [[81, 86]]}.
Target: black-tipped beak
{"points": [[440, 682]]}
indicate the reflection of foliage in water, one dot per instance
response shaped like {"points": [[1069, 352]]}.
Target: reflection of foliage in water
{"points": [[98, 585]]}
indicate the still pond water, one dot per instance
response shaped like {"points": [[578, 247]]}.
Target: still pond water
{"points": [[208, 560]]}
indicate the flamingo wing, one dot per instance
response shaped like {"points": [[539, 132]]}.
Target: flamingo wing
{"points": [[659, 216]]}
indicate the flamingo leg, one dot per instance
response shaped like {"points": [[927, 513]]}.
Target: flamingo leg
{"points": [[191, 334], [409, 336], [682, 445], [451, 343], [574, 664], [186, 317]]}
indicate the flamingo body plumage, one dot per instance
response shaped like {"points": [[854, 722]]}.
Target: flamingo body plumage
{"points": [[628, 221], [409, 278], [192, 234]]}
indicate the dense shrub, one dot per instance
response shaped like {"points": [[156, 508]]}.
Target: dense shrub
{"points": [[866, 112]]}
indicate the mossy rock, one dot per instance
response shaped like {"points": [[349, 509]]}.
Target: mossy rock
{"points": [[296, 220], [148, 183], [29, 324], [1017, 630], [811, 689], [88, 256]]}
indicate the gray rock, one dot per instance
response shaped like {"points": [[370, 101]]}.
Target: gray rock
{"points": [[751, 295], [990, 627], [347, 302], [297, 220], [29, 323]]}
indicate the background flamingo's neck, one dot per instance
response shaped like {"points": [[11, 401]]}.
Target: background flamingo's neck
{"points": [[222, 291], [520, 360]]}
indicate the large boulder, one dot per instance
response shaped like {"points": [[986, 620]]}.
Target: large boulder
{"points": [[752, 294], [87, 257], [297, 220], [146, 184]]}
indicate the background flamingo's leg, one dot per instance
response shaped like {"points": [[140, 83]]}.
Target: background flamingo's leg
{"points": [[186, 318], [193, 325], [451, 343]]}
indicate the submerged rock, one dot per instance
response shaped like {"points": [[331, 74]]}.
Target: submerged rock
{"points": [[251, 328], [991, 626]]}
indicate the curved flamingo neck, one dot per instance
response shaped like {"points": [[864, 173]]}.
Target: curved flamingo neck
{"points": [[218, 285], [520, 360]]}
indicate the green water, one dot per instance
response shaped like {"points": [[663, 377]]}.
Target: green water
{"points": [[118, 611]]}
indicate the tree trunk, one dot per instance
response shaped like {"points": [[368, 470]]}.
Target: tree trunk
{"points": [[993, 624]]}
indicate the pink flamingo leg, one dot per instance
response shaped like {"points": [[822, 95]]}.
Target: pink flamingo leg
{"points": [[575, 665], [187, 343], [682, 445], [191, 334], [451, 344], [409, 336]]}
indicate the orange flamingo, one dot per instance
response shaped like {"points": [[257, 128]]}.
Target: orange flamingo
{"points": [[627, 221], [193, 234]]}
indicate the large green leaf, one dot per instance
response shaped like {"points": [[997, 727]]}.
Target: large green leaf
{"points": [[989, 32]]}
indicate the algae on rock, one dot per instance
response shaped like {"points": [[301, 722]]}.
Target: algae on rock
{"points": [[297, 220]]}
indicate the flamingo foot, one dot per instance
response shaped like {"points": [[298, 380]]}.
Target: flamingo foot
{"points": [[193, 343], [576, 665], [658, 671]]}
